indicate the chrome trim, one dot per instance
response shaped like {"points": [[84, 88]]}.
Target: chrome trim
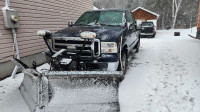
{"points": [[92, 45]]}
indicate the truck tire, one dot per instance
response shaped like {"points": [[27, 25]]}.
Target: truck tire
{"points": [[138, 46], [124, 62], [154, 35]]}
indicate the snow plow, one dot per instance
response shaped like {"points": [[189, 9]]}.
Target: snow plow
{"points": [[70, 91]]}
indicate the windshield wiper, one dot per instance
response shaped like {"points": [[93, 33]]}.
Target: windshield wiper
{"points": [[103, 24], [83, 25], [109, 25]]}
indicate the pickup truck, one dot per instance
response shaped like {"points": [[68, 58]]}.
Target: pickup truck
{"points": [[100, 40], [148, 29]]}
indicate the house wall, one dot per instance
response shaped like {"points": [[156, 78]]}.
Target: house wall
{"points": [[37, 15], [198, 23]]}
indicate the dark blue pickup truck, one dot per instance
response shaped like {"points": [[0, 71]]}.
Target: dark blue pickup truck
{"points": [[98, 40], [148, 30]]}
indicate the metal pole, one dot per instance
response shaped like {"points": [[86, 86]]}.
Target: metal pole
{"points": [[7, 4], [17, 52]]}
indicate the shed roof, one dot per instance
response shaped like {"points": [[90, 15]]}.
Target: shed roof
{"points": [[147, 11]]}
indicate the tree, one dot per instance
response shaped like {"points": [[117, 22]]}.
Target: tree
{"points": [[174, 13], [175, 9]]}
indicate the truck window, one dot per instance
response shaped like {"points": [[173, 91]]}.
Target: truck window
{"points": [[115, 18], [147, 24], [130, 18]]}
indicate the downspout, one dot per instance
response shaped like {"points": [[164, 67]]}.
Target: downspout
{"points": [[7, 4]]}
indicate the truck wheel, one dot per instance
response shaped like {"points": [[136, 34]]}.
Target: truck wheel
{"points": [[138, 46], [154, 35], [123, 63]]}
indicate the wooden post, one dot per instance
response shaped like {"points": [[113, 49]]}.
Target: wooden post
{"points": [[198, 22]]}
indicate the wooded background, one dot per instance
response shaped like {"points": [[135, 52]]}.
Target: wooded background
{"points": [[173, 13]]}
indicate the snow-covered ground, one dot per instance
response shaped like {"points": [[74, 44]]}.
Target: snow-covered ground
{"points": [[163, 77]]}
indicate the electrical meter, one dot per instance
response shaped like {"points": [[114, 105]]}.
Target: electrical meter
{"points": [[11, 18]]}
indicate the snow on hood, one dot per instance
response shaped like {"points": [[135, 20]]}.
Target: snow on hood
{"points": [[104, 33]]}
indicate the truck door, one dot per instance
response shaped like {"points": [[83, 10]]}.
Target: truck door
{"points": [[131, 33]]}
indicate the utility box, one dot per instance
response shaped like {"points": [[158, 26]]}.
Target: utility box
{"points": [[11, 18]]}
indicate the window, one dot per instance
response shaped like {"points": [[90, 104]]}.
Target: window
{"points": [[130, 18], [148, 24], [114, 18]]}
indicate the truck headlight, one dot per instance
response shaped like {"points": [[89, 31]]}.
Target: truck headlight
{"points": [[108, 47]]}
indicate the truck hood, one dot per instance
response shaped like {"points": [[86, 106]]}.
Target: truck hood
{"points": [[104, 33]]}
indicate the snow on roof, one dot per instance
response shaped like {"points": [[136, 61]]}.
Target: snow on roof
{"points": [[146, 10], [95, 8]]}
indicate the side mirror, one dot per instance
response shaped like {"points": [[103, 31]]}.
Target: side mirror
{"points": [[70, 24], [130, 26]]}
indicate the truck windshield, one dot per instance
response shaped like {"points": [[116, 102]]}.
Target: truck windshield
{"points": [[147, 24], [107, 18]]}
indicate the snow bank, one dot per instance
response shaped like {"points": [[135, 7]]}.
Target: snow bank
{"points": [[11, 99], [192, 31]]}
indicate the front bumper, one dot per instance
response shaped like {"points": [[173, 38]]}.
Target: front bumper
{"points": [[144, 34], [102, 66], [111, 61]]}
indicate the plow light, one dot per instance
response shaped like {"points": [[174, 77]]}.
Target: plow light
{"points": [[88, 35], [43, 33]]}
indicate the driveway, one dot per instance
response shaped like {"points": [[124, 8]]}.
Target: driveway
{"points": [[164, 76]]}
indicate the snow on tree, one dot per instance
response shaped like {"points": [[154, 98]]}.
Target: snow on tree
{"points": [[175, 10], [173, 13]]}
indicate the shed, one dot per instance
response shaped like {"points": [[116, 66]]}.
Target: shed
{"points": [[143, 15], [36, 15]]}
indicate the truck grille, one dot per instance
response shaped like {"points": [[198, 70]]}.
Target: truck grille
{"points": [[75, 44]]}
